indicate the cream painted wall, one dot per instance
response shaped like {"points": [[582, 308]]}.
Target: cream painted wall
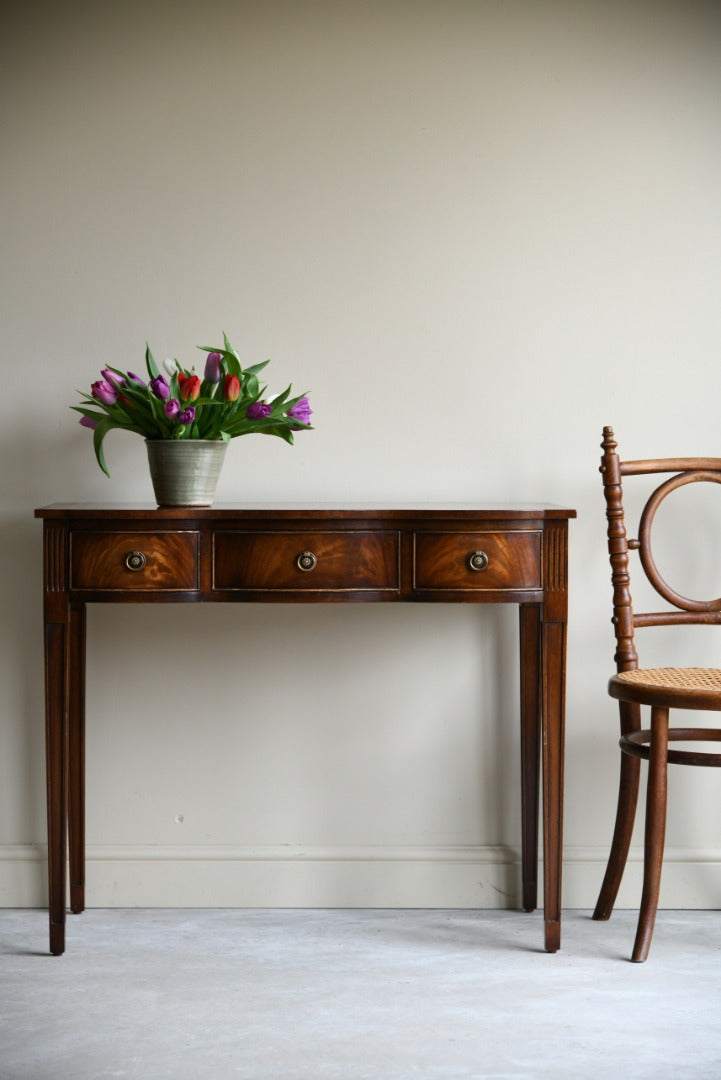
{"points": [[477, 232]]}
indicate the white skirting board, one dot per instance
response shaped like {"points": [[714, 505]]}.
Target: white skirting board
{"points": [[278, 876]]}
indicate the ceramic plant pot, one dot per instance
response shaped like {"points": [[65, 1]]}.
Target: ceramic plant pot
{"points": [[185, 471]]}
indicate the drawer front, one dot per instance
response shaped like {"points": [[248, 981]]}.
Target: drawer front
{"points": [[477, 560], [134, 562], [321, 560]]}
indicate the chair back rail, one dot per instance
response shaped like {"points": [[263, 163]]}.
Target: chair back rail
{"points": [[667, 465]]}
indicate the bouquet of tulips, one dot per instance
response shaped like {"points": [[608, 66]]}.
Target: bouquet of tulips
{"points": [[178, 404]]}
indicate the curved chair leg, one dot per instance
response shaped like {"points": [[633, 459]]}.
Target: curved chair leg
{"points": [[655, 832], [625, 816]]}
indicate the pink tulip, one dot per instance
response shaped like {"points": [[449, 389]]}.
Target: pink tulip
{"points": [[160, 388], [104, 391]]}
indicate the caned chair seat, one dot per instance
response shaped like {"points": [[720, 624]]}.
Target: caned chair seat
{"points": [[662, 689], [683, 688]]}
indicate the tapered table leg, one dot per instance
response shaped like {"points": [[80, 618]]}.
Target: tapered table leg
{"points": [[530, 643], [56, 746], [553, 705], [554, 658], [76, 757], [57, 632]]}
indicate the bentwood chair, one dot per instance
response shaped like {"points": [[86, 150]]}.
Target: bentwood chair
{"points": [[662, 689]]}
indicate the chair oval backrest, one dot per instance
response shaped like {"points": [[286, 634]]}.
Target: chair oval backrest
{"points": [[625, 620]]}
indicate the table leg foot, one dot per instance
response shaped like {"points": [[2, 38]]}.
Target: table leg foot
{"points": [[57, 939], [77, 899], [553, 936]]}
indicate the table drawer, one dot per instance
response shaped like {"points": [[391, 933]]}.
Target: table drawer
{"points": [[134, 561], [319, 560], [477, 560]]}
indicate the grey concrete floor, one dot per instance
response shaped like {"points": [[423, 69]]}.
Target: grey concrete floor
{"points": [[357, 995]]}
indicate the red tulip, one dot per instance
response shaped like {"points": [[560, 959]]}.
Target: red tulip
{"points": [[189, 386], [232, 387]]}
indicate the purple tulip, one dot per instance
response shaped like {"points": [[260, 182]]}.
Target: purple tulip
{"points": [[104, 391], [301, 411], [160, 388], [259, 410], [136, 378], [172, 408], [187, 416], [112, 377], [213, 368], [88, 422]]}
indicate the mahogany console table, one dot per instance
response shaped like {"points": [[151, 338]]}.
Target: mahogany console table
{"points": [[111, 554]]}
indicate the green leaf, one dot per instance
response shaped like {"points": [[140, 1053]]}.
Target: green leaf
{"points": [[280, 399], [92, 414], [273, 425], [251, 386], [98, 435], [208, 390], [232, 363], [232, 359], [134, 410], [255, 368], [229, 348], [152, 367], [283, 433], [161, 420]]}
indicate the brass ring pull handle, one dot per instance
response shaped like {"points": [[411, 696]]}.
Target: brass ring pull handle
{"points": [[477, 560], [135, 560], [306, 561]]}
